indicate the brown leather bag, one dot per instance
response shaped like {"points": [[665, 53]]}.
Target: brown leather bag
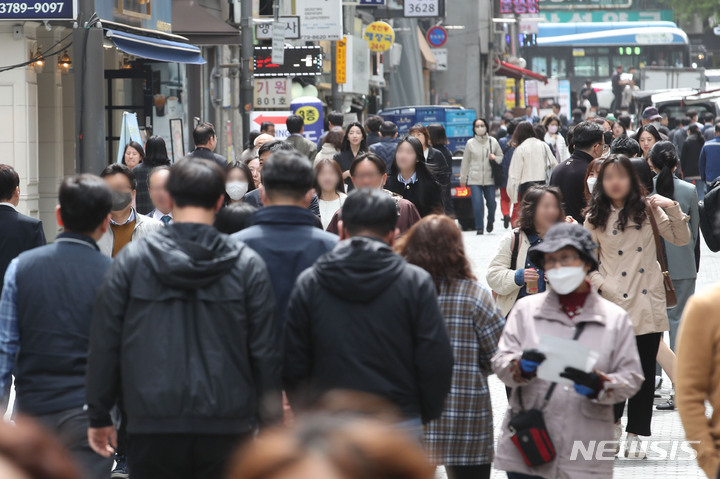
{"points": [[670, 296]]}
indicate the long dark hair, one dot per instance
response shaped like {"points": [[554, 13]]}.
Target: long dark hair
{"points": [[650, 129], [423, 171], [248, 174], [346, 141], [137, 147], [664, 158], [156, 152], [601, 205], [522, 132], [530, 201], [340, 186]]}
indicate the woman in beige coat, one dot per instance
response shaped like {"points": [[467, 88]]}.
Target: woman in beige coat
{"points": [[629, 273], [476, 172], [578, 414], [532, 162]]}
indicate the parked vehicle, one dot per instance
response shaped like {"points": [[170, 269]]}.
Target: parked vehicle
{"points": [[461, 198], [457, 121]]}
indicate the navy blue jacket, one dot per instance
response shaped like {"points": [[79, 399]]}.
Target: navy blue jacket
{"points": [[287, 239], [18, 233], [385, 149]]}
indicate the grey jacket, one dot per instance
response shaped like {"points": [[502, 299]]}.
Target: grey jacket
{"points": [[144, 225], [303, 145]]}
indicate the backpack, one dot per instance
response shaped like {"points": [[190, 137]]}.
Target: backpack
{"points": [[709, 209]]}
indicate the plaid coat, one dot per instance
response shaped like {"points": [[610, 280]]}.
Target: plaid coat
{"points": [[463, 435]]}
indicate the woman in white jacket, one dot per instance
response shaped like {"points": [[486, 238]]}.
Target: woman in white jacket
{"points": [[532, 161], [554, 139]]}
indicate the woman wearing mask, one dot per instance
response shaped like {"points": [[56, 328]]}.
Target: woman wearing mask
{"points": [[238, 182], [155, 155], [331, 146], [647, 136], [554, 139], [629, 273], [134, 154], [462, 439], [692, 146], [329, 188], [411, 178], [680, 259], [581, 411], [354, 143], [591, 177], [532, 161], [476, 172], [541, 209]]}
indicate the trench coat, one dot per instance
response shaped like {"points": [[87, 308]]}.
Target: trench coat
{"points": [[569, 417], [499, 275], [629, 274], [475, 166]]}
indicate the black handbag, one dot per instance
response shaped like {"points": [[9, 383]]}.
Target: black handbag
{"points": [[529, 433], [498, 173]]}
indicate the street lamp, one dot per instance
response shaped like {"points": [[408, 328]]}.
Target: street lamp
{"points": [[64, 63], [38, 62]]}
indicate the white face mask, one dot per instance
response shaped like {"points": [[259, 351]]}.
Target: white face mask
{"points": [[591, 184], [236, 189], [566, 279], [480, 130], [553, 129]]}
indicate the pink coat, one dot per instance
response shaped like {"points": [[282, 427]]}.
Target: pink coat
{"points": [[569, 416]]}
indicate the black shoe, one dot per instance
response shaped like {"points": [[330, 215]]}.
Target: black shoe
{"points": [[479, 232], [490, 227], [506, 221], [668, 405], [121, 470]]}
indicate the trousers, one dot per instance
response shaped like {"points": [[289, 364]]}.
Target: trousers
{"points": [[477, 194], [506, 203], [476, 471]]}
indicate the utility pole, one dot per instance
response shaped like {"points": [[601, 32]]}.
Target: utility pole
{"points": [[246, 57]]}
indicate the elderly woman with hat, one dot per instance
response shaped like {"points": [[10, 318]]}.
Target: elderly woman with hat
{"points": [[578, 414]]}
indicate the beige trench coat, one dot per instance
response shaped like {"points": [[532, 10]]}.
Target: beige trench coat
{"points": [[569, 417], [500, 277], [629, 273], [475, 167]]}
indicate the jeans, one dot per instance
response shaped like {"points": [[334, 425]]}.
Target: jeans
{"points": [[71, 426], [477, 192]]}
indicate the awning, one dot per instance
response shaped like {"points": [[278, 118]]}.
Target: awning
{"points": [[509, 70], [155, 48], [429, 60], [192, 20]]}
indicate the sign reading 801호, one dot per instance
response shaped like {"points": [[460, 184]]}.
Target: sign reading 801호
{"points": [[38, 10]]}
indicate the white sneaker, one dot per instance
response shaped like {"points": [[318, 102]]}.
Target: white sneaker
{"points": [[618, 436], [633, 447]]}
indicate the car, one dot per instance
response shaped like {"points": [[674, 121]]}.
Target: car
{"points": [[461, 198]]}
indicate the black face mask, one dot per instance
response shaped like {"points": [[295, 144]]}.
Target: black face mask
{"points": [[120, 200]]}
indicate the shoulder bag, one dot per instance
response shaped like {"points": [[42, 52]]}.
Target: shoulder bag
{"points": [[670, 296]]}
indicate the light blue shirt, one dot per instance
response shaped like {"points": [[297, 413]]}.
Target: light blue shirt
{"points": [[413, 179]]}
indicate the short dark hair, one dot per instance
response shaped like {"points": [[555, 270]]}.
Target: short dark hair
{"points": [[276, 145], [624, 120], [156, 152], [119, 169], [685, 121], [372, 158], [265, 126], [85, 201], [369, 210], [203, 133], [530, 201], [691, 113], [336, 118], [717, 127], [9, 181], [234, 218], [137, 147], [624, 145], [586, 134], [294, 124], [196, 182], [438, 136], [288, 174], [373, 123], [388, 129]]}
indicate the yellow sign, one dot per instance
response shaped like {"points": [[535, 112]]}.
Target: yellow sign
{"points": [[309, 114], [341, 61], [380, 36]]}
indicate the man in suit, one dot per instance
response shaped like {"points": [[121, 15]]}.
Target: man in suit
{"points": [[205, 140], [296, 128], [18, 232], [162, 204]]}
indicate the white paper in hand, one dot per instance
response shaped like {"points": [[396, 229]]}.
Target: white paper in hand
{"points": [[561, 353]]}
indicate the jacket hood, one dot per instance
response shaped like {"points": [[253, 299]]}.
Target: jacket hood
{"points": [[191, 256], [359, 269]]}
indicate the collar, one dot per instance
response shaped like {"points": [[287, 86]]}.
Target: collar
{"points": [[69, 237], [283, 215], [157, 214], [130, 218], [413, 179], [387, 139], [8, 204], [551, 309], [580, 155], [297, 134], [202, 148], [532, 237]]}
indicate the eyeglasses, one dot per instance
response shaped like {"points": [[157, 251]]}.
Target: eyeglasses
{"points": [[564, 260]]}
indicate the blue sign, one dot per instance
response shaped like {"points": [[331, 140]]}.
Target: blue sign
{"points": [[311, 110], [371, 3], [38, 10], [437, 36]]}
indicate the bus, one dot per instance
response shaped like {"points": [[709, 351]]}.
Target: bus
{"points": [[582, 51]]}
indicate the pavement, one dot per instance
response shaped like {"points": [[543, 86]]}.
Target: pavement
{"points": [[665, 425]]}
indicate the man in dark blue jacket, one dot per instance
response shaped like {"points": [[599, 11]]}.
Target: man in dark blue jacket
{"points": [[283, 233], [45, 314], [388, 143]]}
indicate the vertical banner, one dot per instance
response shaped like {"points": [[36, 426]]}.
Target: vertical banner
{"points": [[564, 97], [129, 131], [341, 61], [311, 110]]}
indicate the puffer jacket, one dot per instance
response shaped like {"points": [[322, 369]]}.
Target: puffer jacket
{"points": [[475, 167], [183, 328]]}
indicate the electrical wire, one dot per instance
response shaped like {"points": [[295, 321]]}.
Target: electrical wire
{"points": [[44, 56]]}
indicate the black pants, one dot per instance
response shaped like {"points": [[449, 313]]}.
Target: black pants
{"points": [[640, 406], [477, 471], [71, 426], [181, 456]]}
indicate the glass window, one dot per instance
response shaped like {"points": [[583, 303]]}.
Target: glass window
{"points": [[539, 65], [558, 67], [584, 66]]}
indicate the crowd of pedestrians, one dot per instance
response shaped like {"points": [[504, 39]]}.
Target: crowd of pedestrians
{"points": [[191, 309]]}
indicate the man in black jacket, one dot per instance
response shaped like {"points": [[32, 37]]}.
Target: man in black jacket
{"points": [[205, 140], [569, 175], [184, 321], [363, 319]]}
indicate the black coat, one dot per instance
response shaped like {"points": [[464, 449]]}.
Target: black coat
{"points": [[363, 319], [345, 159], [205, 154], [18, 233], [690, 156], [441, 164], [183, 326], [569, 176], [425, 194]]}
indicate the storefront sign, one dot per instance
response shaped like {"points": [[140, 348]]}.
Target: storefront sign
{"points": [[38, 10], [371, 3], [299, 61], [437, 36], [341, 62], [272, 93], [278, 43], [380, 36], [263, 31], [422, 8], [580, 4], [277, 118], [441, 59], [518, 7], [311, 110], [606, 16], [358, 66], [320, 19]]}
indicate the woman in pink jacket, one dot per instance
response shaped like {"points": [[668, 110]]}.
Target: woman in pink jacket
{"points": [[578, 414]]}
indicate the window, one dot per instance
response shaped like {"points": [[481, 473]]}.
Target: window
{"points": [[539, 65], [584, 66], [135, 8], [558, 67]]}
